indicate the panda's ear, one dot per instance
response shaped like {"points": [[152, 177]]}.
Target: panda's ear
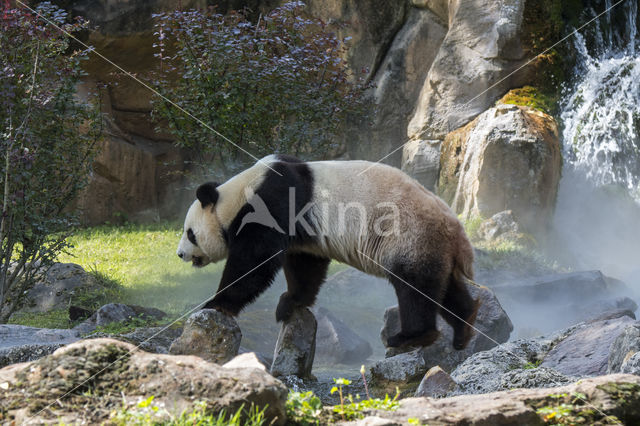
{"points": [[207, 194]]}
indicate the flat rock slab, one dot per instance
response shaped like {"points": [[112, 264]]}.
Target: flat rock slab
{"points": [[15, 335], [113, 369], [19, 343], [585, 352], [558, 287], [614, 395]]}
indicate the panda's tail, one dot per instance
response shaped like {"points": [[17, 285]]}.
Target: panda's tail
{"points": [[463, 267]]}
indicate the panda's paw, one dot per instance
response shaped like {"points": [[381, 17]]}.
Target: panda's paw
{"points": [[285, 308]]}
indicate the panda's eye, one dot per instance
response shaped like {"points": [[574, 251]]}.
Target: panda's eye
{"points": [[192, 237]]}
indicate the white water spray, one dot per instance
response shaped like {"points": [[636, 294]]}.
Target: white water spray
{"points": [[601, 112], [597, 221]]}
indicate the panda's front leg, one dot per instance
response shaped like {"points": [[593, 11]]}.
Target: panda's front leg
{"points": [[243, 281], [305, 274]]}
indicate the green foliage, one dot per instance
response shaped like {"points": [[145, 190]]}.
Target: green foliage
{"points": [[277, 85], [532, 365], [531, 97], [303, 408], [546, 22], [573, 408], [47, 143], [511, 255], [146, 412], [472, 226], [356, 406], [106, 290], [555, 413]]}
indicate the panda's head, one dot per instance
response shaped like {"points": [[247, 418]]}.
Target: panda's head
{"points": [[202, 239]]}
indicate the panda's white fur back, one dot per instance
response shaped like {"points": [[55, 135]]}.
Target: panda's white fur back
{"points": [[373, 186]]}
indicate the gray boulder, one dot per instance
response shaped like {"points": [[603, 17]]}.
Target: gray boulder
{"points": [[561, 300], [527, 378], [402, 368], [586, 351], [406, 369], [502, 224], [156, 340], [209, 334], [483, 372], [436, 384], [264, 359], [296, 345], [557, 359], [492, 323], [508, 158], [625, 346], [336, 342], [559, 288], [119, 312], [121, 375], [56, 289]]}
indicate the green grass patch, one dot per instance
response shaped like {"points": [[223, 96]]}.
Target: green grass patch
{"points": [[141, 260], [146, 412], [472, 226], [51, 319], [124, 327], [509, 255]]}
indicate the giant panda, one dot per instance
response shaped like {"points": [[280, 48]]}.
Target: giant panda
{"points": [[283, 213]]}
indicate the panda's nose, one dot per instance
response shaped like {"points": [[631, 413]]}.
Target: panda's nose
{"points": [[180, 254]]}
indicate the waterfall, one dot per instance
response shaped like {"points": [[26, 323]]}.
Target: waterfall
{"points": [[600, 110], [597, 220]]}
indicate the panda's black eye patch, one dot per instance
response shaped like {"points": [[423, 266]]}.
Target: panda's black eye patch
{"points": [[192, 237]]}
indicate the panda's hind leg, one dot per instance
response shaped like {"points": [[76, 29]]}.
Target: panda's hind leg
{"points": [[305, 274], [418, 302], [460, 311]]}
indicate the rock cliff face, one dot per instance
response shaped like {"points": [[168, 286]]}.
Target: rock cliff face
{"points": [[435, 65]]}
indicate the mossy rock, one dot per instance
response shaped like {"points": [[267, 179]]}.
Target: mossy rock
{"points": [[531, 97]]}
